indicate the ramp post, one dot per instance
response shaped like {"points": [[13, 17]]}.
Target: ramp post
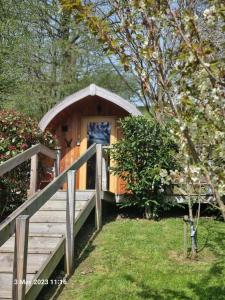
{"points": [[33, 175], [104, 170], [57, 161], [20, 257], [70, 219], [98, 187]]}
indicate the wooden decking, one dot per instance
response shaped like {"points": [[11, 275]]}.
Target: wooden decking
{"points": [[46, 242]]}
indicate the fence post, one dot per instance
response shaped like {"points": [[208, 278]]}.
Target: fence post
{"points": [[33, 175], [98, 187], [104, 170], [20, 257], [70, 219], [57, 161]]}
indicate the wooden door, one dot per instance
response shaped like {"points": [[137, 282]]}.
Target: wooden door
{"points": [[101, 123]]}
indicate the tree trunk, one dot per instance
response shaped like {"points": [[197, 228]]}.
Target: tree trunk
{"points": [[195, 157], [217, 196], [192, 230]]}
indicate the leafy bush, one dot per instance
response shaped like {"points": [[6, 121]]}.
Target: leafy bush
{"points": [[17, 133], [144, 157]]}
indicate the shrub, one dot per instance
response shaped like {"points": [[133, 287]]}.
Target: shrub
{"points": [[18, 132], [144, 157]]}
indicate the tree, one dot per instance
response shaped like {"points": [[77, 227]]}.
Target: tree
{"points": [[45, 56], [8, 67], [180, 71]]}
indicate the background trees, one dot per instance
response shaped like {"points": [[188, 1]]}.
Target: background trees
{"points": [[45, 55]]}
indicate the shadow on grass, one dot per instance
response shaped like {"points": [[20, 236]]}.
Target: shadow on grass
{"points": [[147, 292], [83, 248], [212, 284], [209, 286], [81, 242]]}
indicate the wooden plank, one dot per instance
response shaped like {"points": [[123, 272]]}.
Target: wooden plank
{"points": [[6, 281], [80, 195], [98, 187], [60, 228], [61, 205], [46, 151], [33, 175], [83, 215], [22, 157], [46, 270], [104, 173], [53, 209], [47, 228], [34, 262], [34, 243], [18, 159], [52, 262], [70, 218], [53, 235], [20, 257], [39, 251], [32, 205], [56, 216]]}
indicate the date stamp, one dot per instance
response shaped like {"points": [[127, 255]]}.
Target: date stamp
{"points": [[40, 282]]}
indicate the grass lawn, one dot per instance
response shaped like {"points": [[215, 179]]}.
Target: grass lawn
{"points": [[140, 259]]}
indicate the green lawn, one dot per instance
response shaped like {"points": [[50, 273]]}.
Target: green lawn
{"points": [[140, 259]]}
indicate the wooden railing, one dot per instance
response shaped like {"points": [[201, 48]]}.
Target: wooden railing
{"points": [[32, 153], [18, 221], [105, 167]]}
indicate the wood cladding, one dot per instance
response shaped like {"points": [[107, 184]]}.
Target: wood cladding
{"points": [[66, 127]]}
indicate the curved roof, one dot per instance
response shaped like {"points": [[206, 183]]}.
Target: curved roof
{"points": [[91, 90]]}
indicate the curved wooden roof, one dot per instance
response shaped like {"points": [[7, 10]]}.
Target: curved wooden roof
{"points": [[91, 90]]}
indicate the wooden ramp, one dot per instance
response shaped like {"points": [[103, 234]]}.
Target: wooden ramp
{"points": [[35, 237], [46, 242]]}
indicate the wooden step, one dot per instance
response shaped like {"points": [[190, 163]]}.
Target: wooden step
{"points": [[34, 262], [47, 228], [80, 195], [34, 243], [61, 205], [6, 280], [50, 217], [48, 235], [39, 251]]}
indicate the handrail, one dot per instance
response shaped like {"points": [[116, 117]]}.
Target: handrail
{"points": [[31, 206], [22, 157]]}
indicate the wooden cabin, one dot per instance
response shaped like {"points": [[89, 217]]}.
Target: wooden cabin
{"points": [[86, 117]]}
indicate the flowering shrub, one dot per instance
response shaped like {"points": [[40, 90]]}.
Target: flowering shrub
{"points": [[144, 158], [18, 132]]}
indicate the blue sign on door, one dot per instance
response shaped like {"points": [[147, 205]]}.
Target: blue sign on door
{"points": [[99, 133]]}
